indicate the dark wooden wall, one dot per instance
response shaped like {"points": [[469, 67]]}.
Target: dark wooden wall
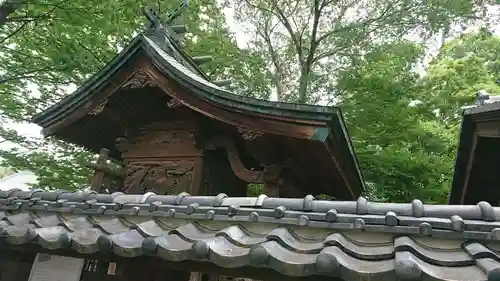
{"points": [[163, 158], [484, 175], [15, 266], [218, 177]]}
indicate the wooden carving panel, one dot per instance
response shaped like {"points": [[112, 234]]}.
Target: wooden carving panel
{"points": [[162, 143], [172, 137], [167, 177]]}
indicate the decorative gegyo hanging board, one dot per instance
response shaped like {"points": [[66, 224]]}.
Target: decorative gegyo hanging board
{"points": [[56, 268]]}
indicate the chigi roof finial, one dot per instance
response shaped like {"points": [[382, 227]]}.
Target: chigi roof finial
{"points": [[162, 25], [156, 20], [167, 36]]}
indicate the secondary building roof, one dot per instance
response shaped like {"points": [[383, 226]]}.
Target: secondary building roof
{"points": [[475, 175]]}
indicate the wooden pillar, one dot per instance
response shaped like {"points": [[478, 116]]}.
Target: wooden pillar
{"points": [[10, 268], [271, 189], [97, 181], [272, 180], [196, 276], [106, 178], [17, 267]]}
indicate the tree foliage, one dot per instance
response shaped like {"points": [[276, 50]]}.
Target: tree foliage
{"points": [[53, 46], [351, 53], [402, 154], [305, 42], [464, 66], [408, 150]]}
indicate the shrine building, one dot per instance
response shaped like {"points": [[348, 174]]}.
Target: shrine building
{"points": [[174, 205]]}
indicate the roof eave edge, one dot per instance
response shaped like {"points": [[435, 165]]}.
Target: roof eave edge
{"points": [[348, 141], [176, 75], [46, 117]]}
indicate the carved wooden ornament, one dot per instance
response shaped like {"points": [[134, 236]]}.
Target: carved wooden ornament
{"points": [[99, 108], [249, 134], [161, 178], [139, 80], [174, 103]]}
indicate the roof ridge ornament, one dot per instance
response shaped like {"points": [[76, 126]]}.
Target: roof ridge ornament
{"points": [[483, 98], [163, 30], [165, 25], [168, 36], [155, 19]]}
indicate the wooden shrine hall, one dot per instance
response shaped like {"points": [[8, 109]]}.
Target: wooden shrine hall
{"points": [[174, 130], [174, 206]]}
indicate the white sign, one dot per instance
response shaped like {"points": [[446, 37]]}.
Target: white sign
{"points": [[56, 268], [112, 268]]}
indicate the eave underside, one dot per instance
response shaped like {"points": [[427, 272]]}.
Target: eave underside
{"points": [[172, 77], [316, 167], [143, 49], [293, 237], [325, 165]]}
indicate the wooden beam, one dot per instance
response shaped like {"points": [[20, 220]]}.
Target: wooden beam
{"points": [[98, 178], [179, 29], [277, 125], [110, 86], [107, 170], [488, 129], [469, 166], [235, 162], [222, 83], [203, 59]]}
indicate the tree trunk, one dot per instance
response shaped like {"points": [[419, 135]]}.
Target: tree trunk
{"points": [[7, 8], [279, 85], [303, 82]]}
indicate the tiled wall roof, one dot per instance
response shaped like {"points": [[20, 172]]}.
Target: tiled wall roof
{"points": [[296, 237]]}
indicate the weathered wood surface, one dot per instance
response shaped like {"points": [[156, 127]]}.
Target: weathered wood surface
{"points": [[165, 177]]}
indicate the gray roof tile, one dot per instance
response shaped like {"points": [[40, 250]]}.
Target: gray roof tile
{"points": [[295, 237]]}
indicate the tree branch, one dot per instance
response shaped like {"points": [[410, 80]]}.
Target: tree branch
{"points": [[25, 23], [326, 54], [290, 15], [89, 51], [260, 8], [304, 27], [25, 75], [6, 9], [326, 3], [214, 70], [314, 43], [289, 28], [265, 34], [383, 16], [12, 34]]}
